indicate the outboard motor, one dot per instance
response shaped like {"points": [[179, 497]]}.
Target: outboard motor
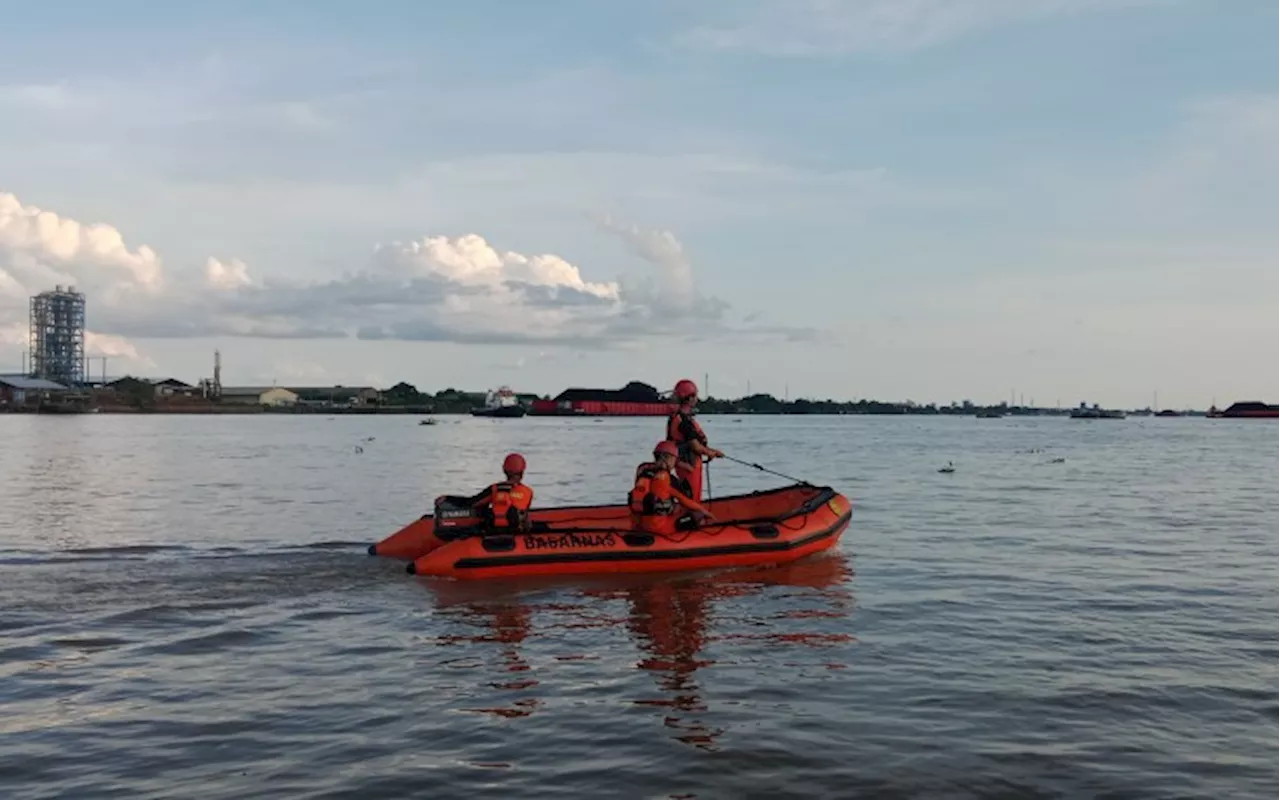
{"points": [[455, 518]]}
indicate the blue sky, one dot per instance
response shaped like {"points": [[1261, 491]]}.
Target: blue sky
{"points": [[912, 199]]}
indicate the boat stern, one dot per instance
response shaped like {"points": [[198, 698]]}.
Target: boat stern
{"points": [[410, 542]]}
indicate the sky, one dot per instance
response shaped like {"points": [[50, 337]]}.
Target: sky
{"points": [[928, 200]]}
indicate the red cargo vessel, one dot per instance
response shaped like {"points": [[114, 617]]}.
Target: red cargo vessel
{"points": [[1246, 410], [636, 399]]}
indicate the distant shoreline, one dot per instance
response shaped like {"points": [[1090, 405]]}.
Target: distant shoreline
{"points": [[20, 394], [374, 410]]}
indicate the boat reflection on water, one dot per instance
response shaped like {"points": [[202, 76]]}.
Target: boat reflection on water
{"points": [[669, 622], [504, 623], [674, 620]]}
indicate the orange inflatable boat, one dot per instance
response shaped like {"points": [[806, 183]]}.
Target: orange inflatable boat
{"points": [[762, 528]]}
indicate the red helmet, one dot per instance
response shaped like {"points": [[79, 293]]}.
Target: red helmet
{"points": [[685, 388], [666, 449], [513, 463]]}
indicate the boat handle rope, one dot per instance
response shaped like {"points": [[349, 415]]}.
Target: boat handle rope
{"points": [[712, 529], [717, 528], [766, 469], [707, 529]]}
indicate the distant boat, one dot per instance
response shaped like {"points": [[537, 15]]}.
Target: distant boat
{"points": [[990, 413], [636, 399], [1246, 410], [1169, 412], [1084, 412], [500, 402]]}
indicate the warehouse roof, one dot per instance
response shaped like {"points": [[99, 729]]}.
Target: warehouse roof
{"points": [[31, 384]]}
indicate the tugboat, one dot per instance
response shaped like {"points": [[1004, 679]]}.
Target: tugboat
{"points": [[500, 402], [1084, 412]]}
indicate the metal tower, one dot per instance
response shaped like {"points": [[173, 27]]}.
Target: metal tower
{"points": [[217, 374], [57, 336]]}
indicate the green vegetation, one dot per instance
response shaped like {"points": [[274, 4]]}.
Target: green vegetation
{"points": [[453, 401], [406, 398], [446, 401], [138, 393], [768, 404]]}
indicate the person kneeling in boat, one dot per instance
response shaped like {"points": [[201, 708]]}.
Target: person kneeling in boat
{"points": [[504, 506], [656, 503]]}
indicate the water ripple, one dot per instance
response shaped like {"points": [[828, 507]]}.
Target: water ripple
{"points": [[187, 603]]}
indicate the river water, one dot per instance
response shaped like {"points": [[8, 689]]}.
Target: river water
{"points": [[187, 610]]}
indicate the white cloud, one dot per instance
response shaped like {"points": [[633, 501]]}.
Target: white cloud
{"points": [[114, 348], [14, 335], [437, 288], [227, 275], [471, 261], [36, 240], [9, 286], [539, 358], [293, 371], [675, 288], [15, 338], [44, 96], [790, 28], [40, 249]]}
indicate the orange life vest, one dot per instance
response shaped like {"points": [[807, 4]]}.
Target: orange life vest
{"points": [[651, 503], [675, 423], [508, 505]]}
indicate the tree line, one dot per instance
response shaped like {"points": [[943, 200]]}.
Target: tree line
{"points": [[404, 395], [454, 401]]}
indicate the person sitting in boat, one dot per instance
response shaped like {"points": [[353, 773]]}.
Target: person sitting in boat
{"points": [[504, 506], [690, 439], [656, 504]]}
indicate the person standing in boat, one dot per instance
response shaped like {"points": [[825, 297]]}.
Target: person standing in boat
{"points": [[690, 439], [655, 502], [504, 506]]}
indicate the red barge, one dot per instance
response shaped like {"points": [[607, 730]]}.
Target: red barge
{"points": [[636, 399], [1246, 410]]}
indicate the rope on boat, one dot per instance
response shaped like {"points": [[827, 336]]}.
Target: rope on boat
{"points": [[711, 529]]}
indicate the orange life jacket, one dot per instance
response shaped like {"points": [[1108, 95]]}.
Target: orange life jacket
{"points": [[674, 424], [508, 505], [651, 495]]}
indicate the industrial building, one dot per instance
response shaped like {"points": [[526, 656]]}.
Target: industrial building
{"points": [[161, 387], [20, 392], [57, 337], [172, 387], [273, 396]]}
